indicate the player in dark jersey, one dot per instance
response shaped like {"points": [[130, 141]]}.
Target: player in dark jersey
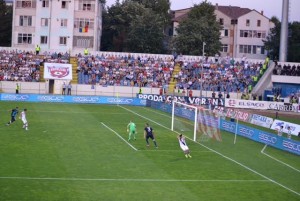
{"points": [[13, 115], [148, 133]]}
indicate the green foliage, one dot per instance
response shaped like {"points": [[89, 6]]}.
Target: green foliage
{"points": [[6, 24], [199, 26], [160, 7], [135, 26], [146, 37], [294, 42], [272, 42]]}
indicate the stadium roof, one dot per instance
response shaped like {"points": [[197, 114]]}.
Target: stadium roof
{"points": [[233, 12]]}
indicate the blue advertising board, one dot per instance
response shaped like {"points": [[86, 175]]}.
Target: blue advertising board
{"points": [[72, 99], [261, 136]]}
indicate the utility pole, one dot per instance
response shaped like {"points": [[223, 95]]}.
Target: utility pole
{"points": [[203, 54]]}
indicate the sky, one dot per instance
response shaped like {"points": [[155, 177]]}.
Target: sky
{"points": [[270, 7]]}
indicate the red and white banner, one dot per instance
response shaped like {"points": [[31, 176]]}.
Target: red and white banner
{"points": [[240, 115], [57, 71]]}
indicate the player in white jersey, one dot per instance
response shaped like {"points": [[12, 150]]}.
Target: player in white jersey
{"points": [[184, 146], [280, 131], [24, 120]]}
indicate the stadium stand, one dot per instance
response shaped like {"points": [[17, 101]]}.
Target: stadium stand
{"points": [[25, 66], [221, 74]]}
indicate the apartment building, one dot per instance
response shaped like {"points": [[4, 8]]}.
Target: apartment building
{"points": [[62, 25], [243, 30]]}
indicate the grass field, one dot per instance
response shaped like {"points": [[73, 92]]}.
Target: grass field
{"points": [[80, 152]]}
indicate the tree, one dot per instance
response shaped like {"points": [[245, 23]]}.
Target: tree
{"points": [[127, 27], [160, 7], [272, 42], [146, 34], [116, 24], [294, 42], [6, 24], [199, 26]]}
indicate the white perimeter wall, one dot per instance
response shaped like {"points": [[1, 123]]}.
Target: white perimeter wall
{"points": [[82, 89]]}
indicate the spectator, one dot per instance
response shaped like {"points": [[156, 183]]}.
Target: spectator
{"points": [[17, 88], [37, 49], [69, 88], [64, 86]]}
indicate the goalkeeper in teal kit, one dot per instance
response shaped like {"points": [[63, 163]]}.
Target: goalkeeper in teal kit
{"points": [[131, 128]]}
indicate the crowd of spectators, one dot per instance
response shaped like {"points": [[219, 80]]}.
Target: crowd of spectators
{"points": [[24, 66], [286, 70], [220, 75], [223, 74]]}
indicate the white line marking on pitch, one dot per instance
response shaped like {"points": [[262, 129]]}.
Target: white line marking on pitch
{"points": [[133, 180], [262, 151], [165, 150], [226, 157], [119, 136]]}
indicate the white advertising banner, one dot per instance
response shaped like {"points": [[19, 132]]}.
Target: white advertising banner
{"points": [[295, 128], [260, 105], [260, 120], [58, 71], [247, 104]]}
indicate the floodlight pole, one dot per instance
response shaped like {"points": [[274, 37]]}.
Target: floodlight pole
{"points": [[203, 46]]}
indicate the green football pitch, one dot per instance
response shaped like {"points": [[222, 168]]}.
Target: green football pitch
{"points": [[80, 152]]}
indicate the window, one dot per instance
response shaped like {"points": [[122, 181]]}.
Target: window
{"points": [[83, 41], [44, 22], [86, 5], [45, 3], [224, 33], [63, 4], [245, 49], [258, 34], [63, 40], [25, 21], [224, 48], [258, 23], [24, 38], [247, 22], [221, 21], [246, 33], [258, 49], [254, 49], [241, 33], [26, 4], [44, 39], [63, 22], [83, 22]]}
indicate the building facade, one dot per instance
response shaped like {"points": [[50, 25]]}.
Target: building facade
{"points": [[62, 25], [243, 30]]}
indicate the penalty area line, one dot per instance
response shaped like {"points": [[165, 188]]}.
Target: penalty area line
{"points": [[132, 180], [262, 151], [118, 136]]}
